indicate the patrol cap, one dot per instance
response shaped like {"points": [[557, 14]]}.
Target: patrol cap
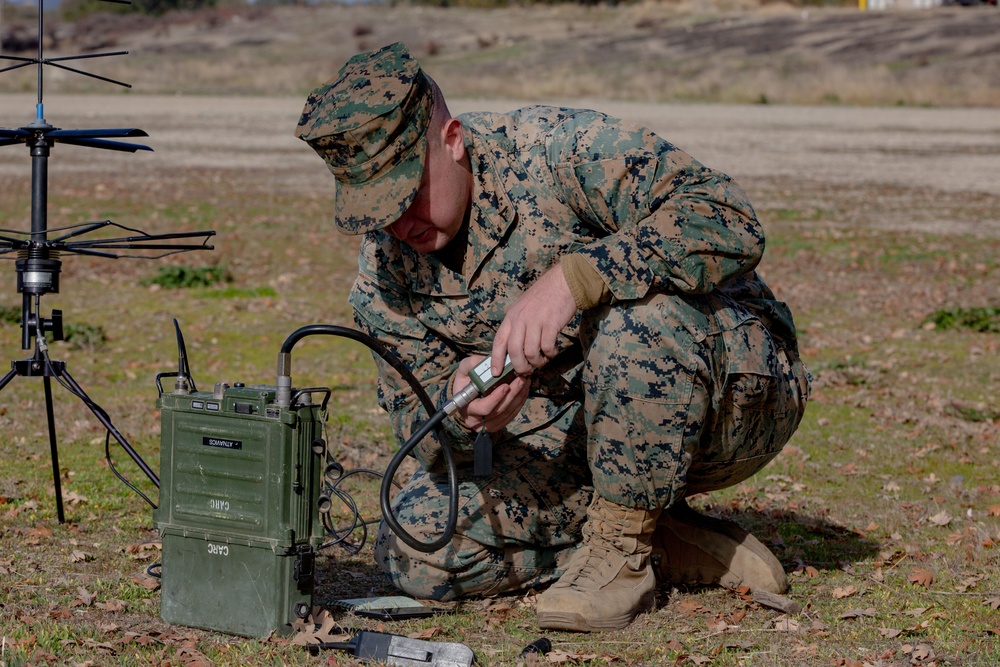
{"points": [[370, 127]]}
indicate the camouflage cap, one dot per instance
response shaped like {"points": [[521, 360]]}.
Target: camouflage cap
{"points": [[370, 127]]}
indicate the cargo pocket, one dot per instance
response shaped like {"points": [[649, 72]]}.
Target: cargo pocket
{"points": [[753, 409]]}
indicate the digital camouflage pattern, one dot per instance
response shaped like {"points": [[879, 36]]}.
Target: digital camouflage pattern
{"points": [[687, 381], [369, 126]]}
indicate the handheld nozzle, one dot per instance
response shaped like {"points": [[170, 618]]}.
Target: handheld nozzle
{"points": [[482, 382]]}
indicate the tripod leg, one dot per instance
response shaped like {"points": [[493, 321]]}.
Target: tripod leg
{"points": [[106, 422], [7, 378], [56, 475]]}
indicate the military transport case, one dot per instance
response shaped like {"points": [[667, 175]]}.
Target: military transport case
{"points": [[239, 481]]}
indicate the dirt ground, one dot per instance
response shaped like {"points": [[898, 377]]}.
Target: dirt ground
{"points": [[903, 168], [733, 51]]}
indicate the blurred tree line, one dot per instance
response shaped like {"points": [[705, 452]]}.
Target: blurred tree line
{"points": [[72, 10]]}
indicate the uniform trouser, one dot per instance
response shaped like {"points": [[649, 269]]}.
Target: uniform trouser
{"points": [[678, 399]]}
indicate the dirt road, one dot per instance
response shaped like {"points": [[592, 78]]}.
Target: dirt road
{"points": [[939, 166]]}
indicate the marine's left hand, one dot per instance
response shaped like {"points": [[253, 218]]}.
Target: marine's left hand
{"points": [[530, 329]]}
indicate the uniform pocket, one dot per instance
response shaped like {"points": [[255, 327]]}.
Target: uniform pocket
{"points": [[754, 409]]}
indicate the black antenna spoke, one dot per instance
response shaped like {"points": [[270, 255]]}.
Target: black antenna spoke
{"points": [[24, 64], [83, 73], [102, 133], [85, 56], [108, 145]]}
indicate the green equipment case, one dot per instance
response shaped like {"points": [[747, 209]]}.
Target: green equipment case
{"points": [[239, 482]]}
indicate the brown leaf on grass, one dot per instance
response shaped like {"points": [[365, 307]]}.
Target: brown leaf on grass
{"points": [[147, 638], [942, 518], [147, 582], [74, 498], [143, 551], [111, 605], [318, 628], [919, 653], [993, 602], [427, 633], [921, 577], [107, 647], [689, 608], [890, 633], [848, 662], [994, 510], [192, 657], [85, 598], [498, 613], [558, 656], [811, 572], [80, 556], [918, 611], [858, 613], [844, 592], [785, 624]]}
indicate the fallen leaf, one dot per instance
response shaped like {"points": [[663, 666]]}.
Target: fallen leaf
{"points": [[85, 598], [786, 624], [689, 608], [427, 633], [857, 613], [74, 498], [111, 605], [919, 611], [921, 577], [149, 583], [844, 592], [942, 518], [192, 657], [80, 556], [558, 656]]}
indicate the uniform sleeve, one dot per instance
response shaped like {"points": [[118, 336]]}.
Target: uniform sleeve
{"points": [[382, 310], [663, 220]]}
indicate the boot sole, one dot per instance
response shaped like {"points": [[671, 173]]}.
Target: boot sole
{"points": [[699, 523], [576, 622]]}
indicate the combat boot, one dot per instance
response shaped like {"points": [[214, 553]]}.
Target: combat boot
{"points": [[691, 548], [609, 580]]}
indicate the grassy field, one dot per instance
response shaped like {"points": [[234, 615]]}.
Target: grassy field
{"points": [[884, 508]]}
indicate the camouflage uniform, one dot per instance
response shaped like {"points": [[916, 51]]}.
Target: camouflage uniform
{"points": [[686, 380]]}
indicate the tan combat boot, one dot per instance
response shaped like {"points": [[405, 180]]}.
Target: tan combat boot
{"points": [[691, 548], [608, 581]]}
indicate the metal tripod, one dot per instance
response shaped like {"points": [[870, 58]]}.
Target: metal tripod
{"points": [[39, 365]]}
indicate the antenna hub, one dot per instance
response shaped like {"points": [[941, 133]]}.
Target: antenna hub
{"points": [[38, 271]]}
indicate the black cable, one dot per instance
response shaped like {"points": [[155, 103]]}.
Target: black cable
{"points": [[114, 470], [437, 416], [341, 534], [98, 410]]}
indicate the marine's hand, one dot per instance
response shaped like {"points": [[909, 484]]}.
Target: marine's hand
{"points": [[531, 327], [495, 410]]}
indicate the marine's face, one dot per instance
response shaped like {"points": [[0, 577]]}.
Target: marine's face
{"points": [[442, 202]]}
